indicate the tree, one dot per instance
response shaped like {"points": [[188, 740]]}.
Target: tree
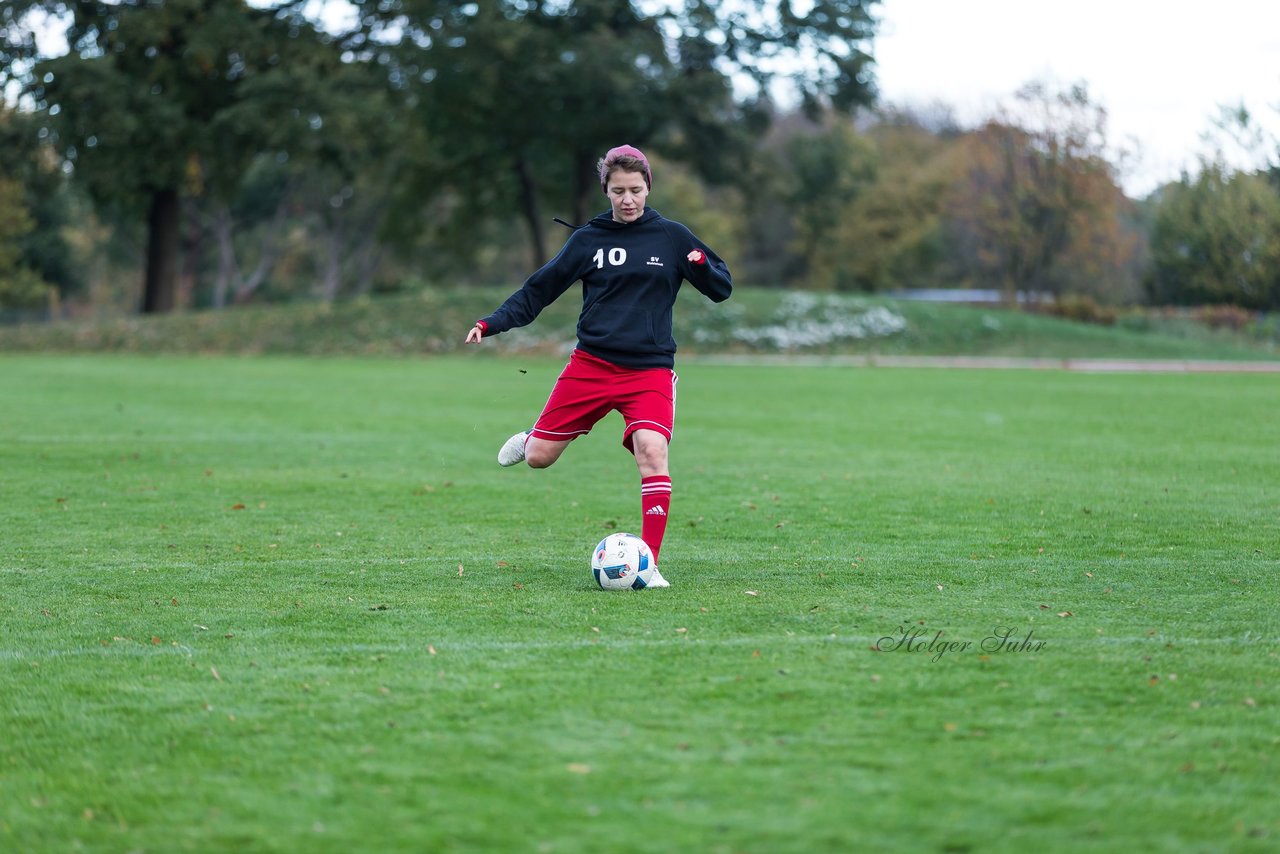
{"points": [[889, 234], [35, 262], [1216, 239], [804, 175], [139, 106], [1036, 187], [331, 141], [520, 96], [20, 287], [826, 173]]}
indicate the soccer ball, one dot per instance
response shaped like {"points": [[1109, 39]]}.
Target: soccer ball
{"points": [[623, 562]]}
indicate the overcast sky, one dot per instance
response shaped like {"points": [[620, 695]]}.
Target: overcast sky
{"points": [[1161, 68]]}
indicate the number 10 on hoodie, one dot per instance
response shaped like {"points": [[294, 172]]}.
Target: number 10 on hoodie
{"points": [[617, 257]]}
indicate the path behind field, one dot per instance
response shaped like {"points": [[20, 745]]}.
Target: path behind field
{"points": [[1097, 366]]}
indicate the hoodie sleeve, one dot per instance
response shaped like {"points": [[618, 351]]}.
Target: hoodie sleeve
{"points": [[711, 277], [538, 291]]}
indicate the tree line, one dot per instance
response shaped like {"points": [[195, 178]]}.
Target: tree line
{"points": [[202, 153]]}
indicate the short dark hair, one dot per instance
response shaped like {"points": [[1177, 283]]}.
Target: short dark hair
{"points": [[624, 158]]}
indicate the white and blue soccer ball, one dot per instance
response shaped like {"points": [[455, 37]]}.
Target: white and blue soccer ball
{"points": [[623, 562]]}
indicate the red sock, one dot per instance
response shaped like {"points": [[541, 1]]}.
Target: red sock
{"points": [[655, 501]]}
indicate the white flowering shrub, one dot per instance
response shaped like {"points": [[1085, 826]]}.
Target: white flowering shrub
{"points": [[794, 321], [802, 321]]}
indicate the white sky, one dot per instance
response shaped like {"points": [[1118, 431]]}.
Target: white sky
{"points": [[1161, 68]]}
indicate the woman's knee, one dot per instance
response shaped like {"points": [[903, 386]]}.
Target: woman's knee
{"points": [[535, 461], [651, 452], [539, 454]]}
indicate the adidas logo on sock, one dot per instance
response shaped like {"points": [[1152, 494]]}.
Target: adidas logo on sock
{"points": [[655, 510]]}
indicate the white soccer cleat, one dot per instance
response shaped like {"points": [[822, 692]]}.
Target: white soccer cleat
{"points": [[657, 580], [513, 451]]}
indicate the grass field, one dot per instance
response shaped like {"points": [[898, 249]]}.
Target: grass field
{"points": [[281, 604]]}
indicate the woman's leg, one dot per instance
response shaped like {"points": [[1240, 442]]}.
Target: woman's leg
{"points": [[650, 448]]}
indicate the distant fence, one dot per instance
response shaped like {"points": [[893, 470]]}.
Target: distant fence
{"points": [[14, 316], [973, 296]]}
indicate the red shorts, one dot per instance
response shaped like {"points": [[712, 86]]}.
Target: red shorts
{"points": [[589, 388]]}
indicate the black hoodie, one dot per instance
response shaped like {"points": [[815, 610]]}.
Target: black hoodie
{"points": [[630, 275]]}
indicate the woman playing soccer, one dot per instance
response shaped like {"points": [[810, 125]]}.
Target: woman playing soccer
{"points": [[631, 262]]}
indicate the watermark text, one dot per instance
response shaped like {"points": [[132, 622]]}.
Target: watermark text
{"points": [[936, 645]]}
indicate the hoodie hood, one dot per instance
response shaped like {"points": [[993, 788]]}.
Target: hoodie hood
{"points": [[606, 220]]}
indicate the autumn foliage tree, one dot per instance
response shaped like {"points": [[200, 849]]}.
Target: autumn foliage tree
{"points": [[1036, 208]]}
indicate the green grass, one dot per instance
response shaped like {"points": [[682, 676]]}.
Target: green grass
{"points": [[754, 321], [285, 604]]}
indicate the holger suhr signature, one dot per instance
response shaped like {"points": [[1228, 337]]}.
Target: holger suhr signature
{"points": [[936, 645]]}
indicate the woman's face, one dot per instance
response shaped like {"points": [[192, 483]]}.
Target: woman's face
{"points": [[627, 192]]}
